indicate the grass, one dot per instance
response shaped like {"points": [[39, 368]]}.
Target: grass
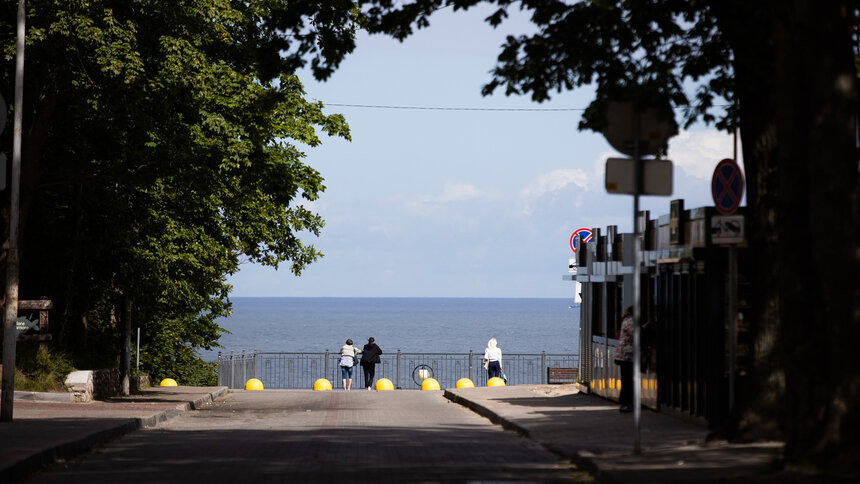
{"points": [[40, 371]]}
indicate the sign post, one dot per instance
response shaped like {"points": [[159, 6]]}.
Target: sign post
{"points": [[727, 188], [647, 135]]}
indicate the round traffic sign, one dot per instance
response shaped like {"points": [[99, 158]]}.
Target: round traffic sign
{"points": [[654, 129], [727, 186], [586, 236]]}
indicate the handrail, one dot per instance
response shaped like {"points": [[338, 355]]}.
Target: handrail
{"points": [[289, 370]]}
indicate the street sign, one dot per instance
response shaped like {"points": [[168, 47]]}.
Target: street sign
{"points": [[727, 229], [654, 131], [586, 237], [657, 176], [727, 186]]}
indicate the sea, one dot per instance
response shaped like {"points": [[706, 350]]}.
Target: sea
{"points": [[412, 325]]}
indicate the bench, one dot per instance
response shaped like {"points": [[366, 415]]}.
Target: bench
{"points": [[558, 374]]}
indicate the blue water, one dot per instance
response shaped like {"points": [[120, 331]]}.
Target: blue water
{"points": [[444, 325]]}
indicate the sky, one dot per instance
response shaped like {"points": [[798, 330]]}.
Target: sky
{"points": [[454, 203]]}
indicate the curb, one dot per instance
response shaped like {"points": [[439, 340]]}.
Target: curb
{"points": [[582, 459], [486, 412], [43, 397], [66, 450], [86, 442]]}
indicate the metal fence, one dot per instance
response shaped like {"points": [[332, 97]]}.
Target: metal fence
{"points": [[300, 370]]}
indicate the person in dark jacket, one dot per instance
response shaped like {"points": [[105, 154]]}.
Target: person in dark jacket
{"points": [[369, 360]]}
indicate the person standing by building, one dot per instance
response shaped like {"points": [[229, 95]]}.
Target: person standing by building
{"points": [[369, 359], [624, 359], [493, 359], [348, 359]]}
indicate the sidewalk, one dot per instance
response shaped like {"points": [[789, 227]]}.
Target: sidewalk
{"points": [[46, 427], [599, 439], [584, 428]]}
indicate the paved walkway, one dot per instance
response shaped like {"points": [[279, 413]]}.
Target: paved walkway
{"points": [[586, 429], [325, 437]]}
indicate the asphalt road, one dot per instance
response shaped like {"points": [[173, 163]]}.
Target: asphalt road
{"points": [[306, 436]]}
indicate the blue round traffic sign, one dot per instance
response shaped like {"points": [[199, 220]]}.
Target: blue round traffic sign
{"points": [[586, 237], [727, 186]]}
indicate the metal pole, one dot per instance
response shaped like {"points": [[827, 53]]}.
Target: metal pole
{"points": [[732, 324], [637, 270], [543, 367], [326, 365], [9, 336], [471, 359], [732, 303], [397, 386], [604, 366]]}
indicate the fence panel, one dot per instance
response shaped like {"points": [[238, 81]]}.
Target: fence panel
{"points": [[300, 370]]}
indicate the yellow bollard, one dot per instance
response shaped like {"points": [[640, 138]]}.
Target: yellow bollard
{"points": [[495, 382], [464, 383], [168, 382], [253, 384], [430, 384], [322, 384], [384, 384]]}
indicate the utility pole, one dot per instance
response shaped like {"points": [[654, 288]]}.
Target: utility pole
{"points": [[12, 256]]}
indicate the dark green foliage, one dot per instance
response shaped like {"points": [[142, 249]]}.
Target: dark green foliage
{"points": [[40, 371], [160, 153]]}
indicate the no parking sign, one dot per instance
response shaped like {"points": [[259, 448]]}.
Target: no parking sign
{"points": [[727, 186], [586, 237]]}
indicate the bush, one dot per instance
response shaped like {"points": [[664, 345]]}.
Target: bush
{"points": [[38, 370]]}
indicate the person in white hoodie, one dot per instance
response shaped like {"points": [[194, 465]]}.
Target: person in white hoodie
{"points": [[493, 359], [348, 358]]}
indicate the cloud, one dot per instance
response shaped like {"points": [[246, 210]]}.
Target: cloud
{"points": [[698, 152], [450, 202], [456, 192], [549, 184]]}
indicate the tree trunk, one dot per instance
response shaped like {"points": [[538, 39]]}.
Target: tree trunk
{"points": [[759, 410], [125, 360], [799, 130], [818, 201]]}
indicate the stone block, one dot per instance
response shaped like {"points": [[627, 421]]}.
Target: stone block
{"points": [[80, 385]]}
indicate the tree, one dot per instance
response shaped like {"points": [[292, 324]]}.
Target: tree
{"points": [[161, 150], [787, 71]]}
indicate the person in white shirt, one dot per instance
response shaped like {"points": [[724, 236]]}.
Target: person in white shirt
{"points": [[348, 358], [493, 359]]}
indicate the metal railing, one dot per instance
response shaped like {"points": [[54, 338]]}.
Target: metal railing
{"points": [[301, 370]]}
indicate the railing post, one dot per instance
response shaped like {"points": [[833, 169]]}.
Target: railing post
{"points": [[220, 366], [326, 364], [543, 367], [232, 371], [244, 370], [398, 371], [471, 360]]}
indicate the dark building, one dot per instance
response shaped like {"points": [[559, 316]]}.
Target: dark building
{"points": [[687, 287]]}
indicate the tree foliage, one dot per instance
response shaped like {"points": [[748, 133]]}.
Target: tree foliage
{"points": [[162, 149], [157, 156], [784, 73]]}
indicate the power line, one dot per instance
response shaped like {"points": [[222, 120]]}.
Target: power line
{"points": [[447, 108]]}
